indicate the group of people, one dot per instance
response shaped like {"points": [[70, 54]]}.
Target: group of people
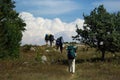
{"points": [[71, 50], [49, 38], [59, 41]]}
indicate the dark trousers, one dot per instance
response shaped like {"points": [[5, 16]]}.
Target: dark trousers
{"points": [[60, 47]]}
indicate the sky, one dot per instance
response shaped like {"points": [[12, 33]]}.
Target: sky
{"points": [[57, 17]]}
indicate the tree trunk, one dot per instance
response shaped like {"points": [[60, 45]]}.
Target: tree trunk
{"points": [[103, 55]]}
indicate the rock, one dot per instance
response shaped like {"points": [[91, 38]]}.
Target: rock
{"points": [[44, 59], [47, 50], [32, 49], [25, 62]]}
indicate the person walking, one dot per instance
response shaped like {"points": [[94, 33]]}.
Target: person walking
{"points": [[51, 39], [71, 54], [59, 43], [46, 38]]}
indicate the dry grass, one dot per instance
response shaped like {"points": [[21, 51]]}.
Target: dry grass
{"points": [[88, 66]]}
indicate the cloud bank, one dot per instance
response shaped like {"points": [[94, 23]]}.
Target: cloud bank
{"points": [[37, 27]]}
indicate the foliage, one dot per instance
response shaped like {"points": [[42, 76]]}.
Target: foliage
{"points": [[11, 27], [101, 30], [38, 54], [27, 47]]}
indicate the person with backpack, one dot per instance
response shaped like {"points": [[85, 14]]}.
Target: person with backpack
{"points": [[71, 54], [59, 43], [46, 38], [51, 39]]}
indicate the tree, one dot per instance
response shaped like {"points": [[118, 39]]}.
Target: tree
{"points": [[11, 27], [101, 31]]}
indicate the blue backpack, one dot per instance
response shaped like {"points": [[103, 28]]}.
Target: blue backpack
{"points": [[71, 52], [58, 41]]}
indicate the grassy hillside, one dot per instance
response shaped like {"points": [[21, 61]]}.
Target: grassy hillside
{"points": [[88, 65]]}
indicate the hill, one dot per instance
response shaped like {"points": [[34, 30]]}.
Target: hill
{"points": [[54, 66]]}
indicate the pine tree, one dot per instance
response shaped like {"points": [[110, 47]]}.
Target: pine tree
{"points": [[101, 31], [11, 27]]}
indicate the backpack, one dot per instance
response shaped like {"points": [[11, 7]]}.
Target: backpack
{"points": [[47, 37], [51, 37], [71, 52], [58, 41]]}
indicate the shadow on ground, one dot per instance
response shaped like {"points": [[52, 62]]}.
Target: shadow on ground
{"points": [[97, 59]]}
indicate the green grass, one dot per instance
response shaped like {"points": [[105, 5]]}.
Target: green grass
{"points": [[88, 66]]}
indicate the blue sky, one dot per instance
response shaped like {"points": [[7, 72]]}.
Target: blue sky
{"points": [[57, 17], [66, 10]]}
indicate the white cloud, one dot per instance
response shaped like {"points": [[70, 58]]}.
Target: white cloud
{"points": [[36, 28], [110, 5]]}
